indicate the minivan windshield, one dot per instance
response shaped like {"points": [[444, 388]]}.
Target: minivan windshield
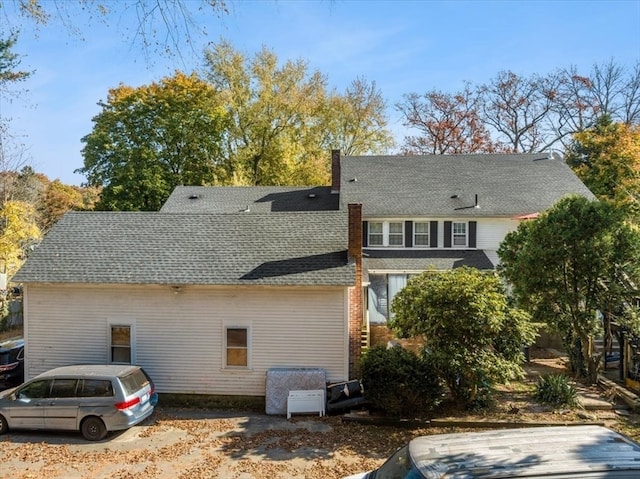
{"points": [[134, 381], [398, 466]]}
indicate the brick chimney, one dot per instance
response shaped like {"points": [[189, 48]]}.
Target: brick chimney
{"points": [[356, 307], [335, 171]]}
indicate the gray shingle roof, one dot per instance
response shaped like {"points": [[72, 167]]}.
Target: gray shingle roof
{"points": [[421, 260], [258, 199], [410, 186], [205, 249]]}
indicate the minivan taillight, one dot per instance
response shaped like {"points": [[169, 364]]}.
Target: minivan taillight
{"points": [[121, 406]]}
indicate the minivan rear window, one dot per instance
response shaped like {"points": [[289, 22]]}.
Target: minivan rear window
{"points": [[134, 381], [95, 388]]}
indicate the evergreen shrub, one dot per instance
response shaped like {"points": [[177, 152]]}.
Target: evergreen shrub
{"points": [[399, 383]]}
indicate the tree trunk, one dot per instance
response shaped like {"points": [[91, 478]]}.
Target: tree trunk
{"points": [[591, 360]]}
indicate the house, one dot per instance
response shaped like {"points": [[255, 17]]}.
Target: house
{"points": [[207, 303], [226, 283], [443, 211]]}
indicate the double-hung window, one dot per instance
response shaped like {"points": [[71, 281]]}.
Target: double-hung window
{"points": [[236, 346], [396, 234], [120, 343], [421, 234], [386, 233], [459, 234], [376, 235]]}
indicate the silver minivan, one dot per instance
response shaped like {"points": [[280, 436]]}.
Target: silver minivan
{"points": [[92, 399]]}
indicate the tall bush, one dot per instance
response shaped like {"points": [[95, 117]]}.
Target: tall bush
{"points": [[398, 382], [474, 334]]}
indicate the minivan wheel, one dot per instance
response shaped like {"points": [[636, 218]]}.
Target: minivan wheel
{"points": [[93, 429], [4, 427]]}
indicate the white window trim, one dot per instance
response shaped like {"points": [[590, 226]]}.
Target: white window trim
{"points": [[235, 325], [466, 234], [132, 344], [385, 234]]}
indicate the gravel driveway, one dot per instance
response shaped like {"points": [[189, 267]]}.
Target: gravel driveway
{"points": [[191, 444]]}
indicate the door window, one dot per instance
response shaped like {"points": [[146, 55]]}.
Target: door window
{"points": [[35, 390], [63, 388]]}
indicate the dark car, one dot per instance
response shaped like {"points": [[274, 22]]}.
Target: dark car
{"points": [[11, 362]]}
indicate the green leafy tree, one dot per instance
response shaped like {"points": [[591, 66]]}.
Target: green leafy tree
{"points": [[9, 64], [150, 139], [474, 337], [271, 108], [356, 122], [398, 382], [568, 265], [283, 120], [607, 159], [12, 153]]}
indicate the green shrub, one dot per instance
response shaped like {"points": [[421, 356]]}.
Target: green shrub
{"points": [[557, 390], [399, 383]]}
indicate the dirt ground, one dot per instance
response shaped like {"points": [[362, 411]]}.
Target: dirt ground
{"points": [[180, 443]]}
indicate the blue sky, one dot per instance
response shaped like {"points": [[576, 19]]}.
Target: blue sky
{"points": [[404, 46]]}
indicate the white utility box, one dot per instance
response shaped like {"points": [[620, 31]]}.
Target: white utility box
{"points": [[306, 401]]}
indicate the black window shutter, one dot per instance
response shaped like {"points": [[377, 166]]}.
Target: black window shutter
{"points": [[408, 234], [433, 234], [473, 227], [365, 234], [447, 234]]}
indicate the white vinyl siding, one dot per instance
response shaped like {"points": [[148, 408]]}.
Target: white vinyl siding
{"points": [[179, 336], [491, 232]]}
